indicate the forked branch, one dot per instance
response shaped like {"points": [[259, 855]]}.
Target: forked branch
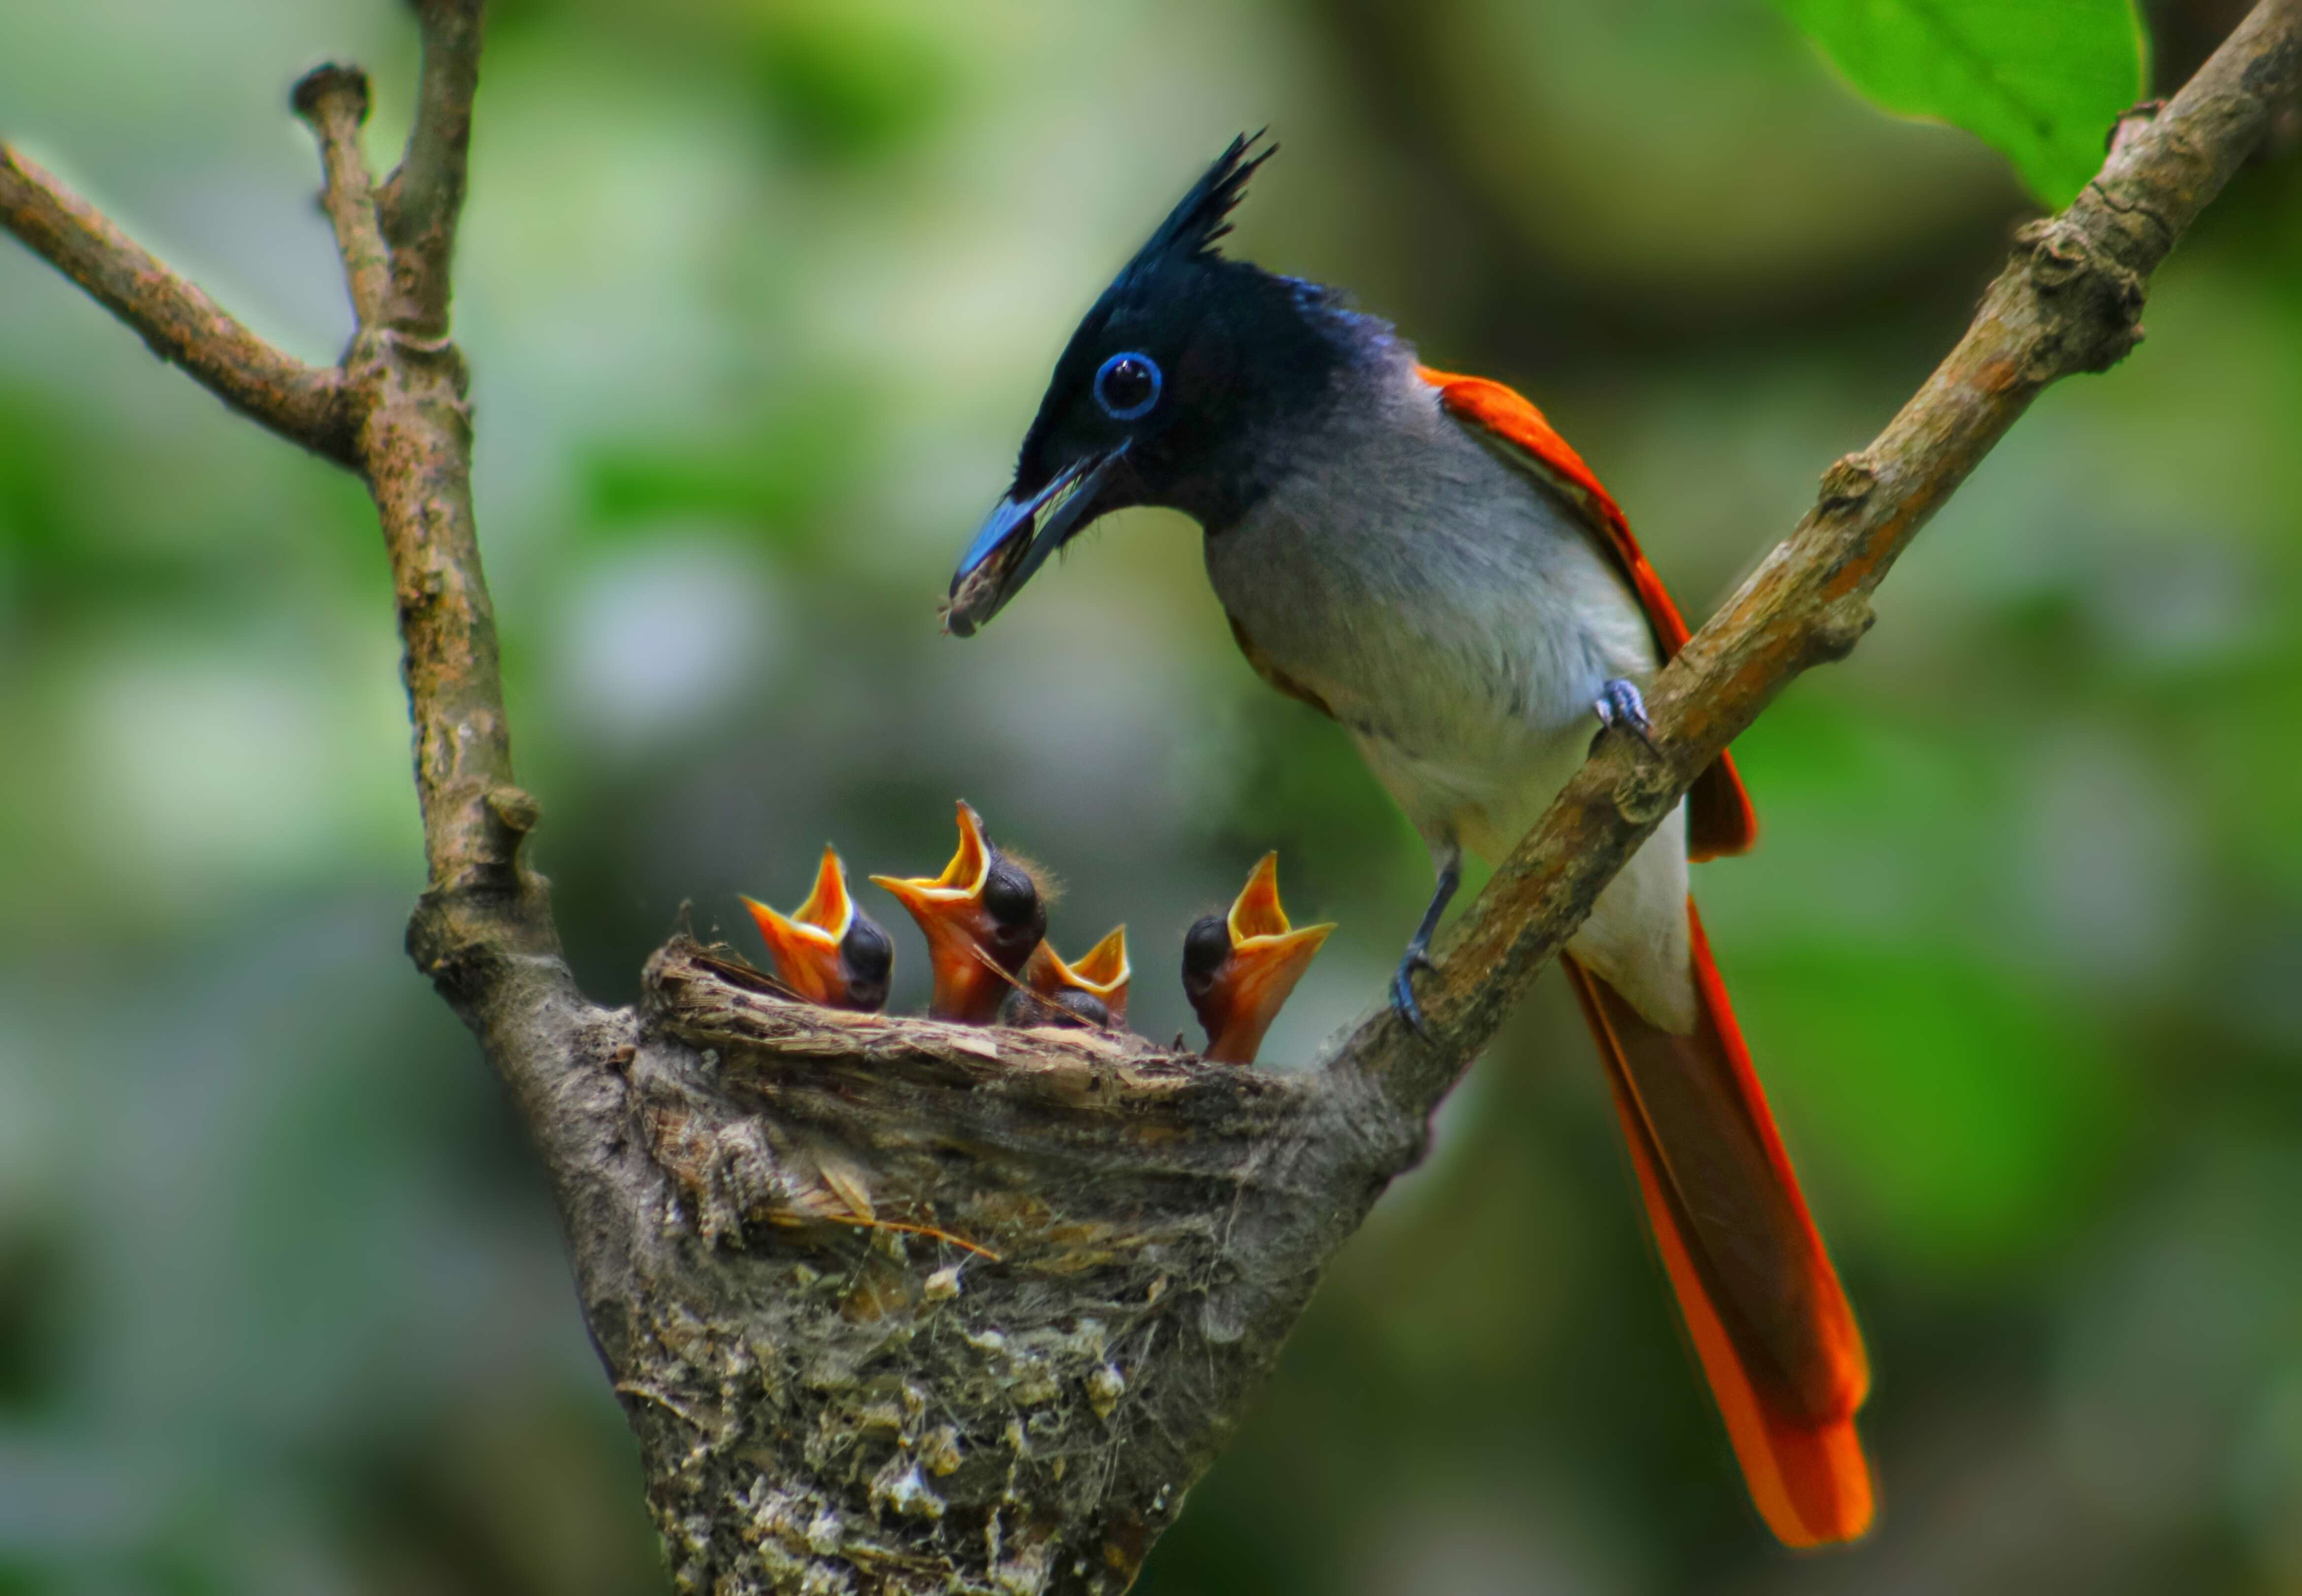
{"points": [[303, 404]]}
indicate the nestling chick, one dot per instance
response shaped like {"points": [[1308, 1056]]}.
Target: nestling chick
{"points": [[826, 949], [982, 918], [1238, 969], [1101, 975]]}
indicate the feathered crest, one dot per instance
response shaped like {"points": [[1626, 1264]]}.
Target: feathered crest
{"points": [[1203, 215]]}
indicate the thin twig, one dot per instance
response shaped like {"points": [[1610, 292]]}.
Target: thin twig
{"points": [[303, 404], [333, 99], [421, 201], [899, 1226]]}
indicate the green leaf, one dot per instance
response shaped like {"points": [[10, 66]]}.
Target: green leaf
{"points": [[2041, 80]]}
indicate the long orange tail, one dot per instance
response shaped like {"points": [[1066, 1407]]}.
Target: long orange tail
{"points": [[1769, 1322]]}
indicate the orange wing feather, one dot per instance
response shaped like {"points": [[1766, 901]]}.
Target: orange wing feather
{"points": [[1719, 819]]}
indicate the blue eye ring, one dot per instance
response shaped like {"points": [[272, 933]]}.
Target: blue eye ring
{"points": [[1119, 366]]}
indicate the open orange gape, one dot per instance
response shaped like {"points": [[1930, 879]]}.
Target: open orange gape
{"points": [[1091, 992], [826, 949], [1238, 969], [982, 919], [985, 919]]}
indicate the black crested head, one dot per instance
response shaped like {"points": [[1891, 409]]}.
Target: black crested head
{"points": [[1203, 216], [1189, 359], [1179, 387]]}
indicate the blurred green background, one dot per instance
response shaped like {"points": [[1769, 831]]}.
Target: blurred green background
{"points": [[759, 296]]}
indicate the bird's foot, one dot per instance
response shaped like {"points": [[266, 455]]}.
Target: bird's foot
{"points": [[1402, 988], [1619, 707]]}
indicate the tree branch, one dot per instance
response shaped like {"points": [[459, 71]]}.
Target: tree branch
{"points": [[333, 99], [303, 404], [2067, 302], [894, 1306], [422, 200], [484, 929]]}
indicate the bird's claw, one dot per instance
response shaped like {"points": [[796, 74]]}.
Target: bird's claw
{"points": [[1402, 989], [1619, 707]]}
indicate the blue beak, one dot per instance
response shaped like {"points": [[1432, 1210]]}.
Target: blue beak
{"points": [[1018, 538]]}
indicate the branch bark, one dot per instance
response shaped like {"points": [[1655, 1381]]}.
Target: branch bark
{"points": [[896, 1305], [180, 324], [2069, 301], [333, 99], [420, 205]]}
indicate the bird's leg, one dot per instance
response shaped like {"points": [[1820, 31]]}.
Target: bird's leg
{"points": [[1620, 708], [1418, 949]]}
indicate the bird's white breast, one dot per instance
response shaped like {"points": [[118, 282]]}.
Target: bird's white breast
{"points": [[1459, 619]]}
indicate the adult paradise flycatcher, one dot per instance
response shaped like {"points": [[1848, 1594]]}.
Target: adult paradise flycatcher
{"points": [[1419, 556]]}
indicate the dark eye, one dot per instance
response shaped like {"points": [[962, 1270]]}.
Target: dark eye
{"points": [[869, 954], [1128, 386], [1207, 946], [1010, 897], [1083, 1008]]}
